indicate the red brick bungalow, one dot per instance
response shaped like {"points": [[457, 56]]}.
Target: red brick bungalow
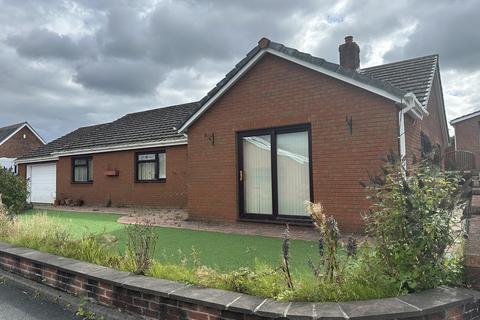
{"points": [[281, 128], [17, 140], [467, 135]]}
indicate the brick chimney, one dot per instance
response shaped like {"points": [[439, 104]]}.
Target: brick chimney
{"points": [[349, 54]]}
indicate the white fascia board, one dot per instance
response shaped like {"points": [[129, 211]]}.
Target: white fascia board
{"points": [[155, 144], [303, 63], [338, 76], [13, 133], [35, 133], [466, 117], [35, 160]]}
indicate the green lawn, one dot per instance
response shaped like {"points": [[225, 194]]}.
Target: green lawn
{"points": [[219, 250]]}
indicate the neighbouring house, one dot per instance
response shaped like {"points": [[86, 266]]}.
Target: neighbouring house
{"points": [[281, 128], [17, 140], [467, 141]]}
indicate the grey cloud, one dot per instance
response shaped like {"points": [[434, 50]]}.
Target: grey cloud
{"points": [[123, 35], [42, 43], [64, 64], [449, 28], [120, 76]]}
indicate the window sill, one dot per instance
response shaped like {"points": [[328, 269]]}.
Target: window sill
{"points": [[151, 181], [82, 182], [306, 222]]}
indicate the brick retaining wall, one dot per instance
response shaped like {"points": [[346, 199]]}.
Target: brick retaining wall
{"points": [[472, 245], [162, 299]]}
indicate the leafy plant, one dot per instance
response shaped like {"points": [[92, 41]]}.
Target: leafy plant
{"points": [[286, 257], [329, 245], [413, 219], [141, 243], [13, 192]]}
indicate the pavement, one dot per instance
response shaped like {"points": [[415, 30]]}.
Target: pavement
{"points": [[23, 299], [16, 304]]}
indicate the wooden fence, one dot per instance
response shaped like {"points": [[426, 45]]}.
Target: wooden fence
{"points": [[460, 160]]}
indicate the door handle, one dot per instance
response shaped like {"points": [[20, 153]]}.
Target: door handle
{"points": [[240, 175]]}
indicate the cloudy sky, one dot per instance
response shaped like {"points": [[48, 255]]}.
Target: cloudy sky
{"points": [[65, 64]]}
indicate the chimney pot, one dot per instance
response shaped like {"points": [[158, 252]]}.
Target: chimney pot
{"points": [[349, 54], [263, 43]]}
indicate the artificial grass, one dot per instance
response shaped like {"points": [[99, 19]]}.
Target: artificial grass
{"points": [[224, 252]]}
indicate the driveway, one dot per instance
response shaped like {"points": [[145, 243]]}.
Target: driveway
{"points": [[16, 304]]}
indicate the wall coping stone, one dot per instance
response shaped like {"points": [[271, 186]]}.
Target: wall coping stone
{"points": [[418, 304]]}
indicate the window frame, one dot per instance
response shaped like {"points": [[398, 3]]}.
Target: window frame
{"points": [[157, 164], [87, 158], [273, 132]]}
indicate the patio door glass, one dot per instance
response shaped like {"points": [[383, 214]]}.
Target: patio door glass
{"points": [[274, 172], [293, 173], [257, 174]]}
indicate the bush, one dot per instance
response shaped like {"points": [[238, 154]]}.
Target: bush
{"points": [[13, 191], [329, 245], [412, 219], [141, 243]]}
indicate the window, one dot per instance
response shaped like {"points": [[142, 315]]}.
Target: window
{"points": [[275, 172], [82, 170], [151, 166]]}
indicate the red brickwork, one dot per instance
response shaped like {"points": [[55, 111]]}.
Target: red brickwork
{"points": [[431, 126], [467, 137], [122, 189], [155, 306], [277, 93], [136, 302], [18, 146], [472, 247]]}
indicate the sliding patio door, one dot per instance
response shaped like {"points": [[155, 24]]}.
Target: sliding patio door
{"points": [[274, 172], [257, 166]]}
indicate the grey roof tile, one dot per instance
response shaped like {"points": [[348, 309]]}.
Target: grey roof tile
{"points": [[139, 127], [398, 78], [412, 75], [8, 130]]}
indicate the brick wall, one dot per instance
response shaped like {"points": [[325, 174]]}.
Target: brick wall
{"points": [[122, 189], [467, 137], [161, 299], [17, 146], [431, 125], [277, 93], [472, 244]]}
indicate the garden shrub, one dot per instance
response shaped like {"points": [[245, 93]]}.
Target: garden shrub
{"points": [[415, 220], [410, 220], [141, 243], [13, 191]]}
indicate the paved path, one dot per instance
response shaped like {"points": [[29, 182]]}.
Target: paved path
{"points": [[18, 305]]}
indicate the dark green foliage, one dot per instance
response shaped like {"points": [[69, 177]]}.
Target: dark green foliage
{"points": [[415, 220], [13, 191]]}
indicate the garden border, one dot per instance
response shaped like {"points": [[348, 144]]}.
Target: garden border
{"points": [[156, 298]]}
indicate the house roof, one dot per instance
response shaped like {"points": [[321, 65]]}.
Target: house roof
{"points": [[465, 117], [9, 131], [412, 75], [61, 142], [386, 80], [139, 129]]}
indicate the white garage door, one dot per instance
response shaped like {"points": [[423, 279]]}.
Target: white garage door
{"points": [[43, 182]]}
